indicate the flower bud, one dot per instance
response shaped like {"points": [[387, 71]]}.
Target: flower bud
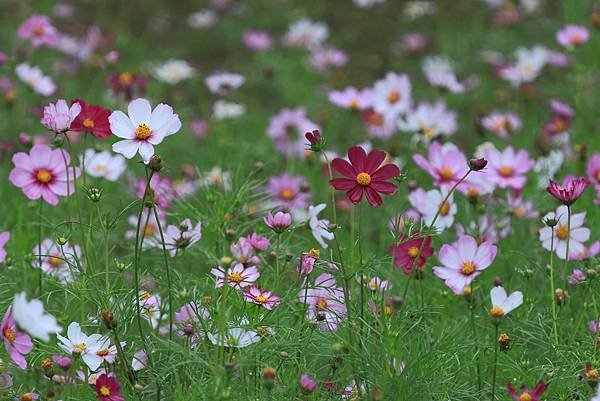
{"points": [[108, 319], [477, 164], [156, 163], [269, 375], [94, 194], [504, 341]]}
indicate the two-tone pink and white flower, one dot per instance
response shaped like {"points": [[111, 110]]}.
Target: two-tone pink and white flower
{"points": [[58, 116], [266, 299], [574, 233], [237, 276]]}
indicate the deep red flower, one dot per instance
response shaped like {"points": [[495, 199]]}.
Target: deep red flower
{"points": [[570, 191], [365, 176], [127, 83], [93, 119], [525, 394], [405, 253], [107, 389]]}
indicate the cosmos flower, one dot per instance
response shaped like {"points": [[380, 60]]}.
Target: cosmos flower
{"points": [[103, 164], [139, 361], [325, 58], [143, 129], [306, 34], [41, 173], [365, 176], [257, 40], [287, 191], [507, 169], [307, 384], [236, 337], [78, 343], [433, 203], [287, 129], [31, 317], [406, 251], [351, 98], [161, 190], [572, 35], [244, 252], [325, 302], [263, 298], [173, 71], [17, 343], [501, 124], [576, 236], [463, 262], [224, 110], [179, 238], [58, 117], [278, 222], [593, 173], [524, 394], [237, 276], [35, 78], [127, 83], [319, 227], [39, 30], [445, 163], [527, 67], [4, 237], [58, 261], [379, 125], [392, 94], [108, 388], [221, 83], [92, 119], [570, 191], [503, 304], [430, 121]]}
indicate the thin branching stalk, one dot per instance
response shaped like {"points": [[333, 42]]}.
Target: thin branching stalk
{"points": [[552, 290], [497, 324], [168, 270]]}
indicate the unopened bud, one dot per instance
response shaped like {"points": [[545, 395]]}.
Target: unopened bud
{"points": [[156, 163]]}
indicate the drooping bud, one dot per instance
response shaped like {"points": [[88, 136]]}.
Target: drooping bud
{"points": [[477, 164]]}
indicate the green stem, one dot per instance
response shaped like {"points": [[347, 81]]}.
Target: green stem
{"points": [[40, 276], [497, 324], [166, 260], [552, 290], [472, 312]]}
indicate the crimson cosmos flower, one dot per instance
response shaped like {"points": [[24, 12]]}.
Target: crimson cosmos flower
{"points": [[524, 394], [107, 389], [364, 176], [405, 253], [570, 191], [92, 119]]}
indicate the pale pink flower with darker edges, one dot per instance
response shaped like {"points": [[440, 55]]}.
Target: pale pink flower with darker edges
{"points": [[588, 252], [445, 163], [17, 343], [502, 124], [593, 173], [259, 243], [570, 191], [41, 173], [257, 40], [58, 261], [266, 299], [328, 57], [278, 222], [307, 384], [237, 276], [325, 302], [244, 252], [414, 42], [572, 35], [379, 125], [39, 30], [508, 169], [287, 192], [575, 233], [287, 128], [179, 238], [352, 98], [463, 262], [59, 116]]}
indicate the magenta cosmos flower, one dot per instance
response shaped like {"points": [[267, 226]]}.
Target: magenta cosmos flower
{"points": [[108, 389], [524, 394], [593, 172], [287, 192], [325, 302], [507, 169], [236, 276], [59, 116], [406, 252], [572, 35], [41, 173], [263, 298], [445, 163], [39, 30], [365, 176], [307, 384], [464, 261], [17, 343], [278, 223], [570, 191]]}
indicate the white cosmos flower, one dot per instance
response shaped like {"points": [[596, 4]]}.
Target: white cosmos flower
{"points": [[223, 110], [319, 228], [574, 232], [78, 343], [35, 78], [143, 128], [429, 202], [221, 83], [173, 71], [502, 304], [104, 164], [30, 316], [236, 337]]}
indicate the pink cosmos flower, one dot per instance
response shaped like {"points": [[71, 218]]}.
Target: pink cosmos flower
{"points": [[143, 128], [179, 238], [463, 262], [307, 384], [17, 343], [375, 284], [507, 169], [325, 302], [287, 130], [593, 173], [520, 208], [58, 117], [379, 125], [278, 223], [57, 261], [392, 94], [501, 124], [263, 298], [325, 58], [570, 191], [588, 252], [42, 173], [257, 40], [4, 237], [236, 276], [524, 394], [257, 242], [577, 277], [445, 163], [39, 30], [572, 35], [578, 234], [287, 192], [244, 252], [352, 98], [433, 202], [188, 320]]}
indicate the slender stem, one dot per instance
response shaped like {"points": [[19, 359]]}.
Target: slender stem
{"points": [[472, 311], [166, 260], [277, 242], [360, 268], [330, 191], [565, 272], [497, 324], [552, 291], [40, 276]]}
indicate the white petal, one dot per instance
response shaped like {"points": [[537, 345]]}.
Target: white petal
{"points": [[121, 125], [139, 111], [127, 148], [498, 295]]}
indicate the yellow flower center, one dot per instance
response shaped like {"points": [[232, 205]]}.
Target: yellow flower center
{"points": [[235, 277], [38, 31], [321, 305], [54, 261], [444, 208], [126, 78], [80, 347], [376, 119], [103, 352], [143, 132], [472, 192], [44, 176], [562, 232], [287, 194], [428, 132], [88, 123], [149, 231], [576, 39], [467, 268], [413, 251], [315, 253], [446, 173], [518, 211], [506, 171], [393, 97], [46, 363], [497, 311], [144, 296], [27, 397], [354, 104], [261, 299], [104, 391], [10, 334], [525, 397], [592, 374], [363, 179]]}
